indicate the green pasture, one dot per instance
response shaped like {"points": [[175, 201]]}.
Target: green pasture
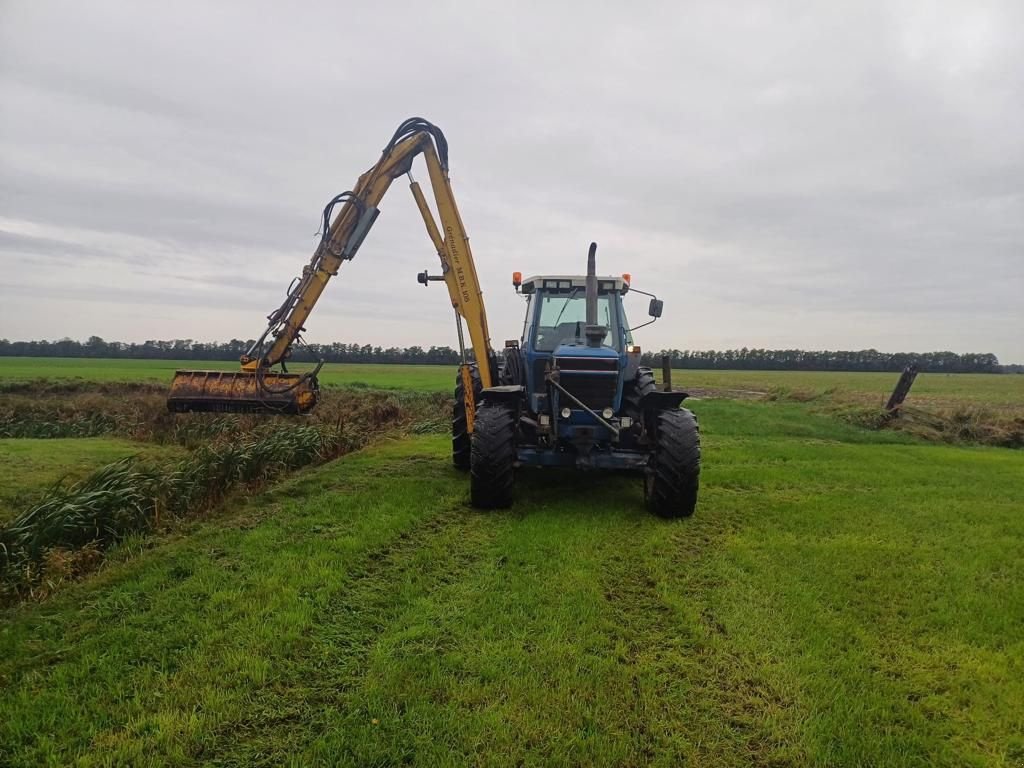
{"points": [[977, 389], [842, 597], [422, 378]]}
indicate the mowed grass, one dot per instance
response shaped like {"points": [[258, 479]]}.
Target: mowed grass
{"points": [[842, 597], [976, 389], [28, 466]]}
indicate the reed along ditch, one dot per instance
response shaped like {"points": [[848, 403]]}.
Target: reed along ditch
{"points": [[63, 532]]}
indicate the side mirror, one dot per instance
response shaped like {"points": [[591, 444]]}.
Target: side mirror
{"points": [[655, 308]]}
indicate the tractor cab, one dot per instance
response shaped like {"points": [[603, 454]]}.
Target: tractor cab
{"points": [[555, 338], [577, 370]]}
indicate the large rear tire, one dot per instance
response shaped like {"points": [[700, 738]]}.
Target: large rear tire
{"points": [[673, 474], [460, 429], [492, 471], [512, 367], [633, 391]]}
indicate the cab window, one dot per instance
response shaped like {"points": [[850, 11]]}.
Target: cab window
{"points": [[563, 316]]}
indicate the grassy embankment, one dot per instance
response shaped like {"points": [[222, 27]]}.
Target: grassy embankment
{"points": [[841, 597]]}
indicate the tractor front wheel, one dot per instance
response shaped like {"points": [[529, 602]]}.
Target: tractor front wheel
{"points": [[493, 459], [673, 473]]}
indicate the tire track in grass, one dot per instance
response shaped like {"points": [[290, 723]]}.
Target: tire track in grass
{"points": [[316, 692], [694, 698], [559, 646], [513, 662], [471, 640], [788, 660]]}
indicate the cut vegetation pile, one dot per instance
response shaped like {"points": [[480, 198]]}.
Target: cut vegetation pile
{"points": [[935, 421], [963, 424], [139, 412], [62, 533]]}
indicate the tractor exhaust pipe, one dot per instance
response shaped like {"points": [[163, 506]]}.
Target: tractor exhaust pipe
{"points": [[592, 285], [595, 333]]}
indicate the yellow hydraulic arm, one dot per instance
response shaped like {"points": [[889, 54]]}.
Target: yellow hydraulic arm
{"points": [[256, 387]]}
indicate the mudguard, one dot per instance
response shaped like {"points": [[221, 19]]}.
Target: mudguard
{"points": [[662, 401], [510, 394]]}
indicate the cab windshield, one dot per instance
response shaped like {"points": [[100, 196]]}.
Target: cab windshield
{"points": [[563, 317]]}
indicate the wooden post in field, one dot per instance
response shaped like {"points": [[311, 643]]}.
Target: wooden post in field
{"points": [[666, 373], [899, 394]]}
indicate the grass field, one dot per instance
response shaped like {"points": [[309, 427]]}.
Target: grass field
{"points": [[420, 378], [28, 466], [842, 597], [977, 388], [988, 389]]}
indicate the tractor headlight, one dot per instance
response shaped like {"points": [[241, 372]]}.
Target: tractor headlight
{"points": [[607, 413], [566, 413], [625, 422], [544, 419]]}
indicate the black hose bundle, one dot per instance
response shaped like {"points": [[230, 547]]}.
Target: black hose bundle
{"points": [[415, 125]]}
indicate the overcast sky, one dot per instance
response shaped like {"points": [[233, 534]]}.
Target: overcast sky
{"points": [[818, 175]]}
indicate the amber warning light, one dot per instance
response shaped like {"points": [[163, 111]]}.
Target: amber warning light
{"points": [[517, 279], [626, 277]]}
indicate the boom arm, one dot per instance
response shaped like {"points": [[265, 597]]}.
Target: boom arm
{"points": [[351, 225], [255, 388]]}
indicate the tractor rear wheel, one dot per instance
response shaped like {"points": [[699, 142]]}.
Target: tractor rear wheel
{"points": [[492, 470], [632, 392], [511, 372], [460, 428], [673, 473]]}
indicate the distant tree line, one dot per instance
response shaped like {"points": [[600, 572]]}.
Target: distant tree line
{"points": [[187, 349], [340, 352]]}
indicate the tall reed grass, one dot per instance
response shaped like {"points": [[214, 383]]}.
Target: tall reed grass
{"points": [[228, 453], [128, 497]]}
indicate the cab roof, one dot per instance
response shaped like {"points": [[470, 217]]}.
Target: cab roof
{"points": [[605, 283]]}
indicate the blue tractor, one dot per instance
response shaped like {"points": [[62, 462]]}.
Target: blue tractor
{"points": [[572, 393]]}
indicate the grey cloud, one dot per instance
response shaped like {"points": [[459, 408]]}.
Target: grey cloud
{"points": [[51, 248], [848, 161], [148, 211]]}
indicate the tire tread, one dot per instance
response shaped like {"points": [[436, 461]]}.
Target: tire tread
{"points": [[492, 469], [674, 468]]}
